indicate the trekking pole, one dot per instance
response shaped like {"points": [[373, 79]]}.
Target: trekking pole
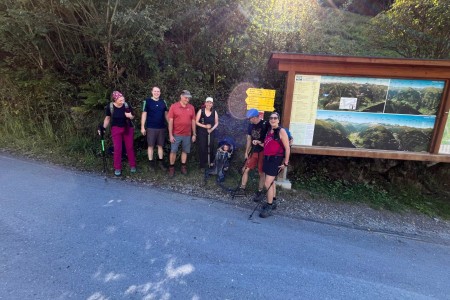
{"points": [[242, 175], [102, 139], [205, 178], [209, 150], [265, 193], [103, 153]]}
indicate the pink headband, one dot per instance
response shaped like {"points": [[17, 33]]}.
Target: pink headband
{"points": [[116, 95]]}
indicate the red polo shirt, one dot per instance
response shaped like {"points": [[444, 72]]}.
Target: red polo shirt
{"points": [[182, 118]]}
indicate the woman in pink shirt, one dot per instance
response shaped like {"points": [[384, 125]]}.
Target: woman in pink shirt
{"points": [[276, 158]]}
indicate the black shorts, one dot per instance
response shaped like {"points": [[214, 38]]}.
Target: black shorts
{"points": [[272, 164]]}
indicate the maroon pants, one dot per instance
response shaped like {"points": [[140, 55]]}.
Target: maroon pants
{"points": [[125, 134]]}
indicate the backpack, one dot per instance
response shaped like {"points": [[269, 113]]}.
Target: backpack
{"points": [[111, 109], [276, 133], [276, 136]]}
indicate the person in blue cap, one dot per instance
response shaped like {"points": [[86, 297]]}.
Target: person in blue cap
{"points": [[254, 156]]}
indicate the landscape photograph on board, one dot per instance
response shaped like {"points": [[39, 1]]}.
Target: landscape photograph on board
{"points": [[380, 95], [377, 113], [414, 97], [373, 130]]}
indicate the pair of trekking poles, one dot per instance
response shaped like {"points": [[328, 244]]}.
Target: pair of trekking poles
{"points": [[249, 154]]}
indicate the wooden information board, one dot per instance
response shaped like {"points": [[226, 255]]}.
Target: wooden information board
{"points": [[367, 107]]}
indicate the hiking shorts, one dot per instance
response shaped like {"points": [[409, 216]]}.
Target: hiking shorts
{"points": [[184, 140], [156, 136], [272, 165], [255, 160]]}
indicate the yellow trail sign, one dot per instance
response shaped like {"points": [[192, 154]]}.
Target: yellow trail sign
{"points": [[262, 93], [261, 99]]}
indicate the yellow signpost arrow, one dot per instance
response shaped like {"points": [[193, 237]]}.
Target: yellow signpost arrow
{"points": [[261, 99]]}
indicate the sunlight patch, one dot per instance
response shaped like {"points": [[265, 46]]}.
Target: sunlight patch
{"points": [[236, 100], [280, 16], [143, 288], [111, 276], [159, 289], [111, 229], [183, 270], [111, 202], [97, 296]]}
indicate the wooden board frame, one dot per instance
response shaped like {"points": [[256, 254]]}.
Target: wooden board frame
{"points": [[327, 65]]}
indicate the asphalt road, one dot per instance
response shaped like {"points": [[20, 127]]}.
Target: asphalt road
{"points": [[73, 235]]}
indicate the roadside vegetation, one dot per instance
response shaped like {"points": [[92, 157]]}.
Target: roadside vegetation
{"points": [[406, 198], [61, 60]]}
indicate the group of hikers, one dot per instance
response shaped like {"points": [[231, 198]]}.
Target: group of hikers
{"points": [[267, 143]]}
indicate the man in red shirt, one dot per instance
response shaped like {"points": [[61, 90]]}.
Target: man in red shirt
{"points": [[181, 130]]}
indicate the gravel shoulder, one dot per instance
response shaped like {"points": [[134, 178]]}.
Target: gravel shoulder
{"points": [[297, 204]]}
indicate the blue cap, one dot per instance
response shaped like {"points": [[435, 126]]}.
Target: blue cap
{"points": [[252, 113]]}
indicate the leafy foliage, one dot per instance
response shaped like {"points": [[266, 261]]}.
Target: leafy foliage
{"points": [[363, 7], [415, 28]]}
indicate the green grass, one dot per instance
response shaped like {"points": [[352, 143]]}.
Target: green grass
{"points": [[395, 199]]}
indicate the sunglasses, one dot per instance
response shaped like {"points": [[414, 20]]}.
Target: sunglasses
{"points": [[273, 118]]}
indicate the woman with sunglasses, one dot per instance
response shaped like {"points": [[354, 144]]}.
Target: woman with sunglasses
{"points": [[276, 158]]}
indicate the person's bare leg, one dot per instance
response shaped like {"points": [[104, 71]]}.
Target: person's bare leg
{"points": [[183, 157], [245, 177], [172, 157], [262, 179], [270, 188], [150, 153], [160, 152]]}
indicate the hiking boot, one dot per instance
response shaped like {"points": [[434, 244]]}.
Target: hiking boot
{"points": [[171, 171], [133, 170], [117, 172], [161, 165], [151, 165], [183, 169], [259, 196], [267, 211], [274, 204]]}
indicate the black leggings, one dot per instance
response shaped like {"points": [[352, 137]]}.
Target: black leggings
{"points": [[202, 136]]}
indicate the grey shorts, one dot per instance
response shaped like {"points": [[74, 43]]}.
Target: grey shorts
{"points": [[185, 144], [156, 137]]}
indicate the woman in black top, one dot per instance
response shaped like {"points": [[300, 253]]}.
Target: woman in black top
{"points": [[207, 121], [119, 113]]}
